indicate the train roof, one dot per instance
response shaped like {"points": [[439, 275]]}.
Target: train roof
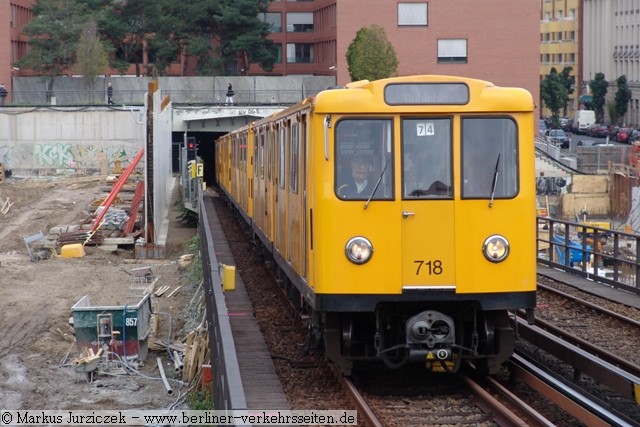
{"points": [[371, 96]]}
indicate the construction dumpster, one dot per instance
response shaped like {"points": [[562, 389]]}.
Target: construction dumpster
{"points": [[124, 330]]}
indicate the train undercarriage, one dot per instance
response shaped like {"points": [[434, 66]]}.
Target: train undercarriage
{"points": [[399, 335]]}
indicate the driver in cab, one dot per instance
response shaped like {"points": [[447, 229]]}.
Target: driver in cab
{"points": [[359, 186]]}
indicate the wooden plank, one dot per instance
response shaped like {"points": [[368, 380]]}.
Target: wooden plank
{"points": [[174, 291]]}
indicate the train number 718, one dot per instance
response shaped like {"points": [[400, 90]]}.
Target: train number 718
{"points": [[434, 267]]}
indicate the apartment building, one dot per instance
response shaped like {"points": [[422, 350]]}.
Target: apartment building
{"points": [[464, 37], [611, 45], [560, 46]]}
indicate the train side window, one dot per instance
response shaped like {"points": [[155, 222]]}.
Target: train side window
{"points": [[293, 152], [489, 158], [364, 159], [255, 159], [281, 158], [426, 158]]}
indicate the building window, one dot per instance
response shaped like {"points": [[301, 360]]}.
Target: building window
{"points": [[299, 53], [274, 19], [278, 53], [412, 14], [299, 22], [452, 50]]}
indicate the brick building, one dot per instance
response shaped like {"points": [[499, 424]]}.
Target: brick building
{"points": [[14, 15], [465, 37]]}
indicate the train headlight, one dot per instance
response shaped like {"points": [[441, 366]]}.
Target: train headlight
{"points": [[496, 248], [358, 250]]}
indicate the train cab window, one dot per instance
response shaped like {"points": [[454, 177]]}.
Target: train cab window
{"points": [[426, 158], [489, 158], [364, 159]]}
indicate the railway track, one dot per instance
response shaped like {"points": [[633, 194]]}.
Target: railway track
{"points": [[410, 398], [466, 399], [589, 343]]}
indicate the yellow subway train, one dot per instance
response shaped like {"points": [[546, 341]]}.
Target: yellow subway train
{"points": [[400, 214]]}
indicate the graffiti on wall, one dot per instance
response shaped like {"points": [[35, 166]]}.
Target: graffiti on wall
{"points": [[550, 186], [78, 156]]}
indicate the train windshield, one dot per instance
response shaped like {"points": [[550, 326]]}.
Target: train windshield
{"points": [[364, 159], [426, 158], [489, 158]]}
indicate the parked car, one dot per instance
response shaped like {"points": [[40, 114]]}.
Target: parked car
{"points": [[542, 127], [598, 131], [622, 135], [590, 143], [559, 137]]}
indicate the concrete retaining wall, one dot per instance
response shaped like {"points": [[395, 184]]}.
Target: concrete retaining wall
{"points": [[70, 141]]}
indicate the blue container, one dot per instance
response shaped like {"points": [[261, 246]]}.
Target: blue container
{"points": [[575, 250]]}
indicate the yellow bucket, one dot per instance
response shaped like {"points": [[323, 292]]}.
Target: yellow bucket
{"points": [[74, 250]]}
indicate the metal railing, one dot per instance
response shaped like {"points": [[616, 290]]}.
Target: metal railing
{"points": [[72, 98], [599, 253]]}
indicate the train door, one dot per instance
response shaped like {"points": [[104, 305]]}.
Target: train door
{"points": [[304, 172], [294, 204], [427, 202]]}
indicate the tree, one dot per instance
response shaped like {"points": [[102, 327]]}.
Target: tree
{"points": [[371, 56], [53, 36], [156, 32], [553, 92], [185, 27], [598, 88], [125, 26], [569, 82], [242, 35], [92, 60], [623, 96]]}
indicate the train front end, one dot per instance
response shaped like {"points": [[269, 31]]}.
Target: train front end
{"points": [[424, 259]]}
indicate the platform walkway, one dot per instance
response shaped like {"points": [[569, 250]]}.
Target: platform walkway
{"points": [[261, 384]]}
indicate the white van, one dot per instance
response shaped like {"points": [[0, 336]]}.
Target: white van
{"points": [[583, 121]]}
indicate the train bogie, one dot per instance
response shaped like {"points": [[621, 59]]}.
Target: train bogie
{"points": [[402, 213]]}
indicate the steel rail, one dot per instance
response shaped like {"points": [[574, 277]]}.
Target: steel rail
{"points": [[616, 378], [574, 401]]}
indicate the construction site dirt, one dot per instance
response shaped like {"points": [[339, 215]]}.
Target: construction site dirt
{"points": [[37, 342]]}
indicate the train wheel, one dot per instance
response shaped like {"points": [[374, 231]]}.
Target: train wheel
{"points": [[497, 344], [334, 335]]}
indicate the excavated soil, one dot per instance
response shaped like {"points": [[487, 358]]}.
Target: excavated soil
{"points": [[37, 343]]}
